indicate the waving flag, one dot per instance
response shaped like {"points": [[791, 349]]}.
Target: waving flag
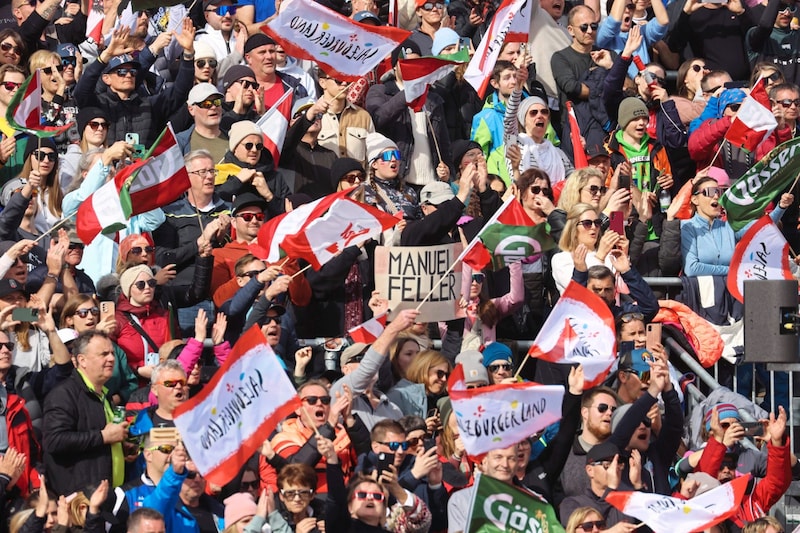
{"points": [[509, 236], [24, 113], [499, 507], [510, 22], [345, 49], [231, 417], [762, 254], [275, 230], [369, 331], [664, 513], [419, 74], [578, 153], [748, 197], [274, 124], [580, 329], [94, 24], [754, 121], [498, 416]]}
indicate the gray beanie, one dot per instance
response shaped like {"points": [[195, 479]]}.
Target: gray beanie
{"points": [[377, 144], [631, 108], [525, 105]]}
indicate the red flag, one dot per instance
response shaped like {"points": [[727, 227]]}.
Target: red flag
{"points": [[762, 254], [419, 74], [274, 124], [578, 153], [369, 331], [163, 178], [754, 121], [511, 213], [24, 113]]}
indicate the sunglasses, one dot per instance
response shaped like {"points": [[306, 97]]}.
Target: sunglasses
{"points": [[588, 526], [122, 72], [164, 448], [312, 400], [699, 68], [534, 112], [495, 368], [7, 345], [301, 493], [587, 224], [69, 62], [249, 484], [585, 27], [247, 217], [8, 47], [191, 474], [788, 9], [76, 246], [49, 70], [775, 76], [394, 445], [375, 496], [430, 6], [11, 85], [710, 192], [208, 104], [352, 178], [141, 284], [83, 313], [788, 102], [413, 441], [441, 374], [388, 155], [627, 317], [734, 107], [337, 82], [621, 462], [201, 63], [247, 84], [594, 190], [356, 358], [269, 319], [643, 375], [137, 250], [478, 278], [96, 125], [41, 155], [253, 146], [223, 10], [603, 407], [630, 6], [172, 383], [535, 189], [251, 274]]}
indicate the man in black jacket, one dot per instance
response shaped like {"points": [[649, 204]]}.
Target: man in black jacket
{"points": [[441, 209], [83, 442]]}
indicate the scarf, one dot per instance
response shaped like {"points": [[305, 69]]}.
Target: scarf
{"points": [[544, 156]]}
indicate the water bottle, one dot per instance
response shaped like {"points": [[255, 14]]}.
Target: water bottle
{"points": [[664, 199]]}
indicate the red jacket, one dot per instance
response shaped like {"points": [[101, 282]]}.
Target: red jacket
{"points": [[22, 438], [153, 319], [705, 140]]}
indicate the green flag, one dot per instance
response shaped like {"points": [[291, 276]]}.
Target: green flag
{"points": [[748, 196], [498, 507], [510, 244]]}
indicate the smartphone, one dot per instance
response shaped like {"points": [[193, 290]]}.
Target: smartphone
{"points": [[107, 310], [653, 336], [138, 149], [429, 443], [151, 359], [384, 460], [432, 412], [623, 181], [617, 222], [753, 429], [731, 84], [463, 43], [625, 347], [25, 314]]}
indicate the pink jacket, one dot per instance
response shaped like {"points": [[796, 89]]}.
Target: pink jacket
{"points": [[506, 304]]}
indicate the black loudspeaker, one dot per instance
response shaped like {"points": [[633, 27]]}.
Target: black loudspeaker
{"points": [[770, 335]]}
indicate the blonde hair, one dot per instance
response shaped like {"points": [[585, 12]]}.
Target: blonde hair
{"points": [[578, 516], [761, 525], [18, 520], [420, 366], [77, 516], [571, 193], [42, 59], [569, 236]]}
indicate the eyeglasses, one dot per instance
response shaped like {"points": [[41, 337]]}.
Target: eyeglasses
{"points": [[585, 27], [734, 107], [201, 63], [535, 189], [83, 313], [430, 6], [788, 102], [41, 155], [122, 72], [710, 192], [251, 273], [607, 464], [478, 278], [587, 224], [334, 80], [164, 448], [208, 104], [388, 155], [96, 125], [137, 250], [352, 178], [603, 407], [312, 400], [247, 84], [627, 317], [594, 190], [497, 367], [69, 62], [247, 217], [293, 494], [588, 526], [223, 10], [788, 9], [375, 496], [149, 283], [269, 319], [249, 484], [394, 445], [698, 68], [8, 47], [251, 146], [205, 172], [7, 345], [533, 112], [11, 85], [172, 383], [49, 70], [76, 246], [442, 374]]}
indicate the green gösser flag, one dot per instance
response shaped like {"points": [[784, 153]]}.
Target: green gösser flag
{"points": [[748, 196], [498, 507], [511, 244]]}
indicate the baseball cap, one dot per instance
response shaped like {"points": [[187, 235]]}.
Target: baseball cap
{"points": [[351, 352], [8, 285], [202, 92], [367, 17], [118, 61], [435, 193]]}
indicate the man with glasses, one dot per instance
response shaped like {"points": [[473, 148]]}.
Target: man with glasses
{"points": [[774, 40], [205, 107], [499, 363], [344, 125], [430, 13], [218, 31], [168, 385], [239, 85]]}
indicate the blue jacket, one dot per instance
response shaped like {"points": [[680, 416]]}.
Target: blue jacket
{"points": [[166, 500], [487, 126], [409, 397]]}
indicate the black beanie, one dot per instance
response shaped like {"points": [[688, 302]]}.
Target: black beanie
{"points": [[342, 167], [461, 147], [87, 114], [256, 40]]}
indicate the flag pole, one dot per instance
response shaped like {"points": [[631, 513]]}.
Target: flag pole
{"points": [[300, 271], [711, 164], [310, 422], [794, 183], [55, 227], [433, 136], [340, 93], [197, 211]]}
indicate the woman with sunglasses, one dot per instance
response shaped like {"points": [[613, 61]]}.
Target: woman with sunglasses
{"points": [[484, 313], [41, 157], [58, 106], [82, 313], [690, 74], [385, 189], [139, 249], [425, 383], [205, 64], [12, 49], [92, 126], [587, 520]]}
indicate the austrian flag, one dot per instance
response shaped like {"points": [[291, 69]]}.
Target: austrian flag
{"points": [[24, 112], [420, 73], [754, 121], [762, 254], [369, 331]]}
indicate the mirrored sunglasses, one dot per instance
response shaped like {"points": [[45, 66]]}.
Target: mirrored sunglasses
{"points": [[141, 284], [137, 250], [83, 313]]}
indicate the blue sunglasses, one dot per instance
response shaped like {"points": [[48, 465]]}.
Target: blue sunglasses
{"points": [[224, 10], [389, 154]]}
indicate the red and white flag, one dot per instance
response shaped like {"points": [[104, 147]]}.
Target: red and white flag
{"points": [[762, 254], [754, 121], [578, 153], [333, 225], [664, 513], [369, 331], [163, 178], [272, 233], [274, 124], [24, 112], [511, 22], [345, 49], [511, 213], [498, 416], [231, 417], [94, 25], [419, 74], [580, 329]]}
